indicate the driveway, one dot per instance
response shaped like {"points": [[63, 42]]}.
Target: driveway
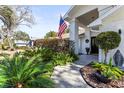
{"points": [[69, 76]]}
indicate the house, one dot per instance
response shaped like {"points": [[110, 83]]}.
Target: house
{"points": [[94, 19], [21, 43]]}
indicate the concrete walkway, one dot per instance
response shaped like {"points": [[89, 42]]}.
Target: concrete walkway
{"points": [[69, 76]]}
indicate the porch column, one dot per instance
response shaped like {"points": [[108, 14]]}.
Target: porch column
{"points": [[74, 34], [87, 37], [100, 55]]}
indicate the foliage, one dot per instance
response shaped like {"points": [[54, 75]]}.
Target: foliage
{"points": [[58, 45], [66, 31], [12, 17], [20, 35], [108, 70], [21, 72], [5, 42], [72, 54], [62, 59], [108, 40], [47, 69], [4, 47], [45, 53], [32, 68], [7, 15], [48, 54], [50, 34], [22, 47]]}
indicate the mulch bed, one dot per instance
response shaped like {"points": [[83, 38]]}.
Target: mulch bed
{"points": [[87, 73]]}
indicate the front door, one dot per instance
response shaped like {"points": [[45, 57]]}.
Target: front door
{"points": [[94, 47]]}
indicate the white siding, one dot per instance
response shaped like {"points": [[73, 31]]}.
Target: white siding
{"points": [[115, 22]]}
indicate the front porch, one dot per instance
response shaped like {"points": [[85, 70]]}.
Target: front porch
{"points": [[87, 38], [90, 20]]}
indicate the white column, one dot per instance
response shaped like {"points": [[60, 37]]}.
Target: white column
{"points": [[81, 41], [87, 36], [100, 55], [74, 34]]}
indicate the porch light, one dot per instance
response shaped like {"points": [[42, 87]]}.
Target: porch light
{"points": [[119, 31]]}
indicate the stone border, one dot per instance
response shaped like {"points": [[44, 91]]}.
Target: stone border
{"points": [[81, 72]]}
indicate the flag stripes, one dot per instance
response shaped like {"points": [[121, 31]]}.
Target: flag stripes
{"points": [[62, 27]]}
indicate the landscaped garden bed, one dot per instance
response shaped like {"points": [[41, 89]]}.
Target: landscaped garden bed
{"points": [[104, 74], [33, 67], [87, 73]]}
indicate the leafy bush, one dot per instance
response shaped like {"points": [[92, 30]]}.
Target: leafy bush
{"points": [[108, 40], [22, 47], [62, 59], [56, 45], [72, 54], [21, 72], [45, 53], [108, 70], [47, 69]]}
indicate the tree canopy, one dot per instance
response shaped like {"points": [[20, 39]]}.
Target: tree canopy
{"points": [[108, 40], [20, 35], [50, 34], [12, 17]]}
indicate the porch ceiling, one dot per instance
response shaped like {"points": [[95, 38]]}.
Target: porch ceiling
{"points": [[88, 17]]}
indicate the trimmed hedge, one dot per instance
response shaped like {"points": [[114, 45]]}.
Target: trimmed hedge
{"points": [[58, 45], [108, 40]]}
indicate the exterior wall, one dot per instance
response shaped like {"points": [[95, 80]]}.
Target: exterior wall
{"points": [[82, 44], [114, 22], [94, 34], [21, 43], [87, 36]]}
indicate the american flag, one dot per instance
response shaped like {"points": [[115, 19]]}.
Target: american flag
{"points": [[62, 27]]}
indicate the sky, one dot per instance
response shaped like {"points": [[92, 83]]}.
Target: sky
{"points": [[46, 19]]}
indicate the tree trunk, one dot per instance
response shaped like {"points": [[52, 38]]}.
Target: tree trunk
{"points": [[10, 39], [106, 51], [18, 85]]}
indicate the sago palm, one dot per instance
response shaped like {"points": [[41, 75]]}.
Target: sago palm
{"points": [[20, 72]]}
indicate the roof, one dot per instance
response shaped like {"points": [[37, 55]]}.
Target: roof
{"points": [[99, 20], [66, 14]]}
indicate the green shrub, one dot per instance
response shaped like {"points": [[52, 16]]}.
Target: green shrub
{"points": [[75, 57], [22, 47], [47, 69], [108, 40], [57, 45], [45, 53], [62, 59], [108, 70], [21, 72]]}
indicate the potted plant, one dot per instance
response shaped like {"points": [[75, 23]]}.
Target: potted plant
{"points": [[87, 50]]}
